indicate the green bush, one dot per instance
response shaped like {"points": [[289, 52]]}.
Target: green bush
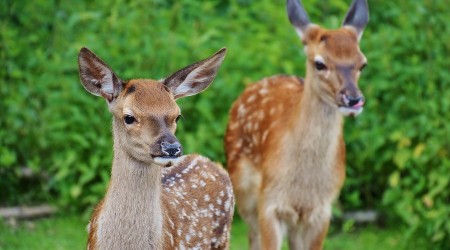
{"points": [[397, 149]]}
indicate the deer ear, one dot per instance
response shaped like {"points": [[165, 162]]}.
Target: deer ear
{"points": [[357, 16], [97, 77], [195, 77], [298, 16]]}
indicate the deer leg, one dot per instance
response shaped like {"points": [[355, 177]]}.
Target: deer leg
{"points": [[313, 235], [271, 230], [254, 236], [295, 238]]}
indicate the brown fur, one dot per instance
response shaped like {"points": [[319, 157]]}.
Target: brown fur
{"points": [[284, 144]]}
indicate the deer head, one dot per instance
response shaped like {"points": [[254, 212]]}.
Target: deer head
{"points": [[334, 59], [145, 113]]}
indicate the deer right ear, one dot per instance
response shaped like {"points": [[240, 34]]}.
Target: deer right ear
{"points": [[298, 17], [357, 16], [97, 77]]}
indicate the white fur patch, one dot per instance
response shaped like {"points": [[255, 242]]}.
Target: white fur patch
{"points": [[319, 58], [350, 111], [127, 111], [164, 162], [300, 33]]}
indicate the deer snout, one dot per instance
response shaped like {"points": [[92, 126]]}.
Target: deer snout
{"points": [[171, 149], [353, 102]]}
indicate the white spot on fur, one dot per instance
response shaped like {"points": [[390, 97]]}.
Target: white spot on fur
{"points": [[227, 205], [188, 238], [264, 83], [241, 111], [255, 139], [251, 98], [170, 237], [233, 125], [239, 143], [260, 115], [248, 126], [290, 86], [272, 111], [263, 91], [266, 100]]}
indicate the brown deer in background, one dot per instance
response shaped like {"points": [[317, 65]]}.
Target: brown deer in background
{"points": [[284, 141], [157, 198]]}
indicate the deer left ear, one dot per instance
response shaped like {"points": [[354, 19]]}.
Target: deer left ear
{"points": [[357, 16], [195, 77], [298, 17]]}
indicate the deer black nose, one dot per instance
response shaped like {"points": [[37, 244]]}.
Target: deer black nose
{"points": [[171, 149], [353, 101]]}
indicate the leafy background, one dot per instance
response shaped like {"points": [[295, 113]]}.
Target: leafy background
{"points": [[398, 149]]}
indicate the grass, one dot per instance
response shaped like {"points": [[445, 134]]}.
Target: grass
{"points": [[69, 233]]}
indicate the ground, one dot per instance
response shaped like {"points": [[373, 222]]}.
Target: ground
{"points": [[69, 232]]}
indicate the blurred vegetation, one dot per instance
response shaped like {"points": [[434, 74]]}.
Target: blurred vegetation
{"points": [[398, 149]]}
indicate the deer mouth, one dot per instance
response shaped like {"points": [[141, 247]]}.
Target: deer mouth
{"points": [[167, 160], [351, 107]]}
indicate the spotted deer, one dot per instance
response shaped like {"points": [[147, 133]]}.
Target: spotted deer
{"points": [[284, 140], [156, 198]]}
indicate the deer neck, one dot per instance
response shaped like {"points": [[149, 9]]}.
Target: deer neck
{"points": [[317, 128], [132, 214]]}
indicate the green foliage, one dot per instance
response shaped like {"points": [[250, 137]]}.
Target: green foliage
{"points": [[397, 149]]}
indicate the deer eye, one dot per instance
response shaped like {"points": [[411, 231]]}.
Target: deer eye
{"points": [[320, 65], [363, 67], [129, 119], [178, 118]]}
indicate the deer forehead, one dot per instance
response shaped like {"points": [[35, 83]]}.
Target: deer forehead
{"points": [[144, 97], [334, 46]]}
